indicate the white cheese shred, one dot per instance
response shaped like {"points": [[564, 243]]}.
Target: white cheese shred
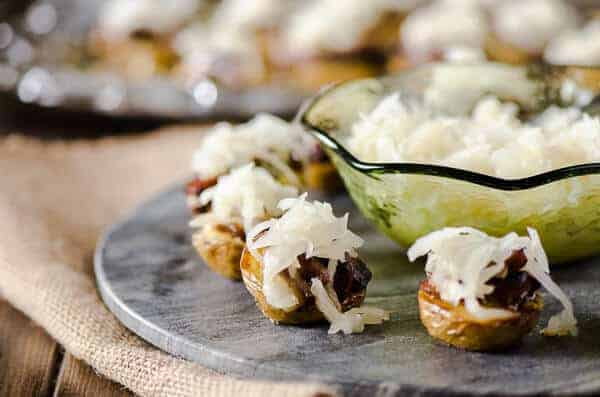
{"points": [[460, 262]]}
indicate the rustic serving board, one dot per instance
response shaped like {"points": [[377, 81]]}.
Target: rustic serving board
{"points": [[153, 281]]}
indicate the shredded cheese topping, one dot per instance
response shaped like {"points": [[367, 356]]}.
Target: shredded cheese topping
{"points": [[460, 262], [247, 195], [492, 140], [266, 138]]}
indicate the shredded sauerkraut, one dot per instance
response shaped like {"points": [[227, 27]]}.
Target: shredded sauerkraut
{"points": [[460, 262], [491, 140], [266, 138], [247, 195], [310, 229], [305, 228], [352, 321]]}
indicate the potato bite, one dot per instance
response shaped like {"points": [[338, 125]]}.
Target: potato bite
{"points": [[303, 267], [482, 292]]}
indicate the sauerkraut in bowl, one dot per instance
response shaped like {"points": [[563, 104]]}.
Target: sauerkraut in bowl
{"points": [[495, 147]]}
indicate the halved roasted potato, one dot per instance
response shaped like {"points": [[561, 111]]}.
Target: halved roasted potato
{"points": [[457, 327], [305, 311], [221, 246], [349, 285], [482, 292]]}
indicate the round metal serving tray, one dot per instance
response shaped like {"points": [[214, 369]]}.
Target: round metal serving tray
{"points": [[43, 60], [151, 278]]}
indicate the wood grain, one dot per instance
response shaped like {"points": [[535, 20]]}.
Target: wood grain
{"points": [[29, 358], [77, 379], [32, 364]]}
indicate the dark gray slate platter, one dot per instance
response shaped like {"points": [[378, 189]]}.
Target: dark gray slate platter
{"points": [[152, 280]]}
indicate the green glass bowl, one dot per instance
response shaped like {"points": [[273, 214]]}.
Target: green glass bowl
{"points": [[409, 200]]}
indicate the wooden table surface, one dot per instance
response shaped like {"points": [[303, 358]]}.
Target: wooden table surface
{"points": [[31, 362]]}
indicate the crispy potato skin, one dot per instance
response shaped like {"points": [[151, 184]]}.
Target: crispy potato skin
{"points": [[321, 176], [303, 313], [456, 327], [221, 248]]}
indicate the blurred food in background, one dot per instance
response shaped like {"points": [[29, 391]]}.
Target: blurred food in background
{"points": [[307, 44], [188, 57]]}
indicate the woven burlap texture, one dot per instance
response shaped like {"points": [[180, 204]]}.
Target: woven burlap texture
{"points": [[55, 200]]}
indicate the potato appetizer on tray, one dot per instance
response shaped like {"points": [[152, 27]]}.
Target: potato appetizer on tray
{"points": [[225, 211], [133, 36], [230, 47], [482, 292], [544, 19], [303, 267], [468, 31], [290, 154], [329, 40], [277, 157], [442, 30]]}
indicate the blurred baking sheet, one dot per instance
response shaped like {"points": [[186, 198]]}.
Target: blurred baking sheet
{"points": [[43, 61]]}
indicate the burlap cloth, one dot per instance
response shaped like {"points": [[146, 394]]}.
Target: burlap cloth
{"points": [[55, 200]]}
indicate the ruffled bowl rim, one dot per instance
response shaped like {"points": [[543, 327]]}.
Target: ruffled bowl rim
{"points": [[375, 170]]}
